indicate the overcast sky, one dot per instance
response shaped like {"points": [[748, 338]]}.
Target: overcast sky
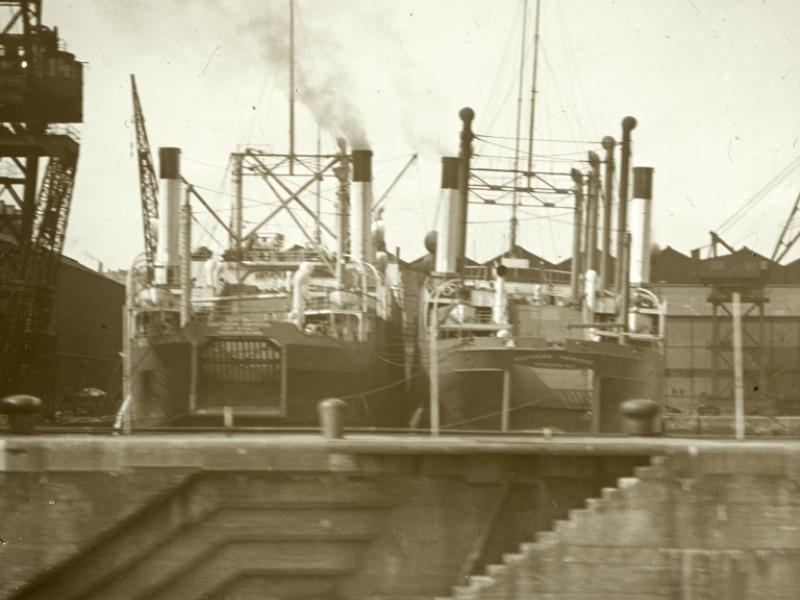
{"points": [[714, 84]]}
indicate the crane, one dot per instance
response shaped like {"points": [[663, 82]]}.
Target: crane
{"points": [[785, 243], [34, 99], [148, 184]]}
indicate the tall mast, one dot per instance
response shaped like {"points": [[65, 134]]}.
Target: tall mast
{"points": [[317, 228], [514, 198], [291, 87], [533, 91]]}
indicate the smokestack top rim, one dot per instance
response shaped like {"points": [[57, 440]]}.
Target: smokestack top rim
{"points": [[169, 162], [362, 165], [608, 143], [643, 183], [629, 123], [450, 165]]}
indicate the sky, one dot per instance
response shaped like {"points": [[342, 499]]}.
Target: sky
{"points": [[714, 85]]}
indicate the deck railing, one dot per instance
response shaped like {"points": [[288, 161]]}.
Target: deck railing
{"points": [[521, 275]]}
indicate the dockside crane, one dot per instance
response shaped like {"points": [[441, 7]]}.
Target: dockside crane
{"points": [[789, 234], [42, 87], [148, 184]]}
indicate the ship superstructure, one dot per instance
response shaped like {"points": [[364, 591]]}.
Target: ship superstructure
{"points": [[519, 347], [264, 331]]}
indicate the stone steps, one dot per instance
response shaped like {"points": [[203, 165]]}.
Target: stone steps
{"points": [[215, 516], [721, 534], [205, 574], [542, 568]]}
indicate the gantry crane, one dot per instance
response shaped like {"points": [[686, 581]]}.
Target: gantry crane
{"points": [[41, 85]]}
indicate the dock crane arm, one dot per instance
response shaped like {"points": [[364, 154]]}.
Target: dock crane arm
{"points": [[716, 239], [378, 205], [148, 184], [784, 244]]}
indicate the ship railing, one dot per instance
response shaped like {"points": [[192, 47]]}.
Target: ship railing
{"points": [[518, 274], [213, 309], [156, 321], [656, 308], [282, 256], [370, 279], [227, 313], [539, 292], [648, 305]]}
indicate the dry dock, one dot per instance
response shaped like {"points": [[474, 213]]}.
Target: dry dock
{"points": [[398, 516]]}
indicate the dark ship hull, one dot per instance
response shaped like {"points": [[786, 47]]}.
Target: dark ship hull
{"points": [[577, 387], [274, 373], [265, 333], [516, 345]]}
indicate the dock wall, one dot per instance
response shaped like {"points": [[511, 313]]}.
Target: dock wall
{"points": [[410, 517]]}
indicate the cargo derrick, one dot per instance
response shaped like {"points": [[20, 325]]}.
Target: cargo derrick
{"points": [[41, 85]]}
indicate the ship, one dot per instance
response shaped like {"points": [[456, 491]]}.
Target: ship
{"points": [[261, 333], [514, 346]]}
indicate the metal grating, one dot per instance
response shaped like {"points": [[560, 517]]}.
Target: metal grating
{"points": [[241, 360]]}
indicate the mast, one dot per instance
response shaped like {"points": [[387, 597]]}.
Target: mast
{"points": [[237, 219], [467, 115], [533, 91], [318, 194], [514, 200], [591, 213], [291, 87], [605, 271], [577, 224], [628, 123]]}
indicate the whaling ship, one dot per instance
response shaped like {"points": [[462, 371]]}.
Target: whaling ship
{"points": [[266, 332], [518, 347], [262, 332]]}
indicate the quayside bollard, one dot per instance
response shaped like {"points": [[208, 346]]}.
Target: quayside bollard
{"points": [[21, 410], [332, 416], [641, 416]]}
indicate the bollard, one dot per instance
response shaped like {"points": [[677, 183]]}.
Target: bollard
{"points": [[332, 413], [21, 410], [641, 416]]}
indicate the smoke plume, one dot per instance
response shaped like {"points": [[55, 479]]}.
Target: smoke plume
{"points": [[334, 78], [323, 83]]}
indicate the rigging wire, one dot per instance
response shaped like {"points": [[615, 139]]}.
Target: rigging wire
{"points": [[538, 139], [572, 63], [559, 90], [748, 204], [501, 107], [514, 194], [511, 148], [212, 235], [498, 70], [528, 218], [252, 201]]}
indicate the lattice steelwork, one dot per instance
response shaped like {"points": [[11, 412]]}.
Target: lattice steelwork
{"points": [[40, 85], [148, 184]]}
